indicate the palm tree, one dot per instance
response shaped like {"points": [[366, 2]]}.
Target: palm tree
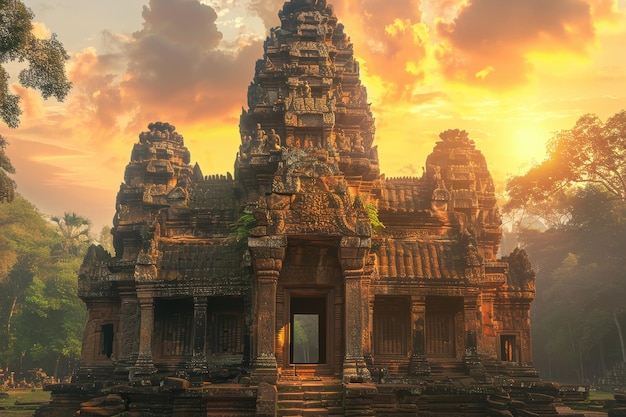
{"points": [[74, 230]]}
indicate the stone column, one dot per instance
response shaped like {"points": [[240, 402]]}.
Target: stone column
{"points": [[267, 254], [353, 253], [144, 366], [418, 365], [472, 318], [198, 365], [127, 339]]}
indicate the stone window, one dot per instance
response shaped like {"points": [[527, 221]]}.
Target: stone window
{"points": [[106, 340], [508, 348], [226, 324], [391, 325], [173, 321]]}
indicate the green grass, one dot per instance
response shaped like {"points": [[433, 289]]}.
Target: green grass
{"points": [[600, 395], [9, 409]]}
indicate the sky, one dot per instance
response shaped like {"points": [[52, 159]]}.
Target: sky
{"points": [[510, 72]]}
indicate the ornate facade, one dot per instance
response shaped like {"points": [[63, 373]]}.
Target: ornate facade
{"points": [[308, 266]]}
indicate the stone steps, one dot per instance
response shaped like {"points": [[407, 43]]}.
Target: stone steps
{"points": [[315, 398]]}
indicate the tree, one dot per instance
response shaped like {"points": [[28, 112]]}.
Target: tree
{"points": [[74, 230], [590, 152], [106, 239], [25, 242], [45, 72], [578, 312], [41, 315]]}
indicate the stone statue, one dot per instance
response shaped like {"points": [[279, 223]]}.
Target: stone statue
{"points": [[274, 141], [259, 140], [357, 143], [306, 90], [341, 141]]}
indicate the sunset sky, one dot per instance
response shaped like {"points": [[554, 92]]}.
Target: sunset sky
{"points": [[510, 72]]}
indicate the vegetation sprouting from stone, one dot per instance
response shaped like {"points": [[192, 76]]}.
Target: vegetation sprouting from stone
{"points": [[240, 230], [372, 214]]}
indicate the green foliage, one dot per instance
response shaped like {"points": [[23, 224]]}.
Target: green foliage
{"points": [[581, 283], [7, 185], [41, 316], [45, 71], [372, 214], [74, 230], [240, 230], [592, 152]]}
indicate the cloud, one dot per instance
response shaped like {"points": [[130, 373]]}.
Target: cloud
{"points": [[500, 34], [391, 40], [31, 103], [267, 10], [41, 31], [176, 70]]}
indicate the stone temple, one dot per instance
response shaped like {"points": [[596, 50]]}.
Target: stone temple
{"points": [[308, 283]]}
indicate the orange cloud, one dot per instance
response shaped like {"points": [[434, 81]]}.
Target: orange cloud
{"points": [[499, 34], [176, 70], [31, 101]]}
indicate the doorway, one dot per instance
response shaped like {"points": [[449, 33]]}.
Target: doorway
{"points": [[443, 319], [308, 330]]}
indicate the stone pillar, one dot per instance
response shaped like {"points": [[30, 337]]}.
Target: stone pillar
{"points": [[354, 252], [486, 340], [144, 366], [127, 339], [198, 365], [418, 365], [473, 329], [471, 316], [267, 254]]}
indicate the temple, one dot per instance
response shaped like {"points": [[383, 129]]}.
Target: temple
{"points": [[307, 283]]}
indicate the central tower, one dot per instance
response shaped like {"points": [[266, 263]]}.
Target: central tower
{"points": [[306, 98], [306, 160]]}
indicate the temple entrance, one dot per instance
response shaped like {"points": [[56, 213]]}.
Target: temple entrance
{"points": [[441, 324], [308, 334]]}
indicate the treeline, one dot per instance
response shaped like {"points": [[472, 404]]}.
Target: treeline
{"points": [[41, 316], [578, 197]]}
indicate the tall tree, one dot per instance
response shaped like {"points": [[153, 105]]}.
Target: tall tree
{"points": [[25, 242], [74, 230], [579, 190], [591, 152], [45, 72]]}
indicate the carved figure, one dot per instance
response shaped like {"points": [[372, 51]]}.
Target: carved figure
{"points": [[306, 90], [244, 148], [342, 141], [357, 143], [274, 141], [259, 140]]}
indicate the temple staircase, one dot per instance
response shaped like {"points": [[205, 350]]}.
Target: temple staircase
{"points": [[447, 369], [310, 398]]}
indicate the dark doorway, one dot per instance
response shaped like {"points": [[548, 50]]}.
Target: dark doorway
{"points": [[507, 348], [391, 325], [441, 324], [308, 329], [106, 340]]}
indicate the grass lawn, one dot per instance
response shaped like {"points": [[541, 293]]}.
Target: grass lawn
{"points": [[9, 409], [600, 395]]}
